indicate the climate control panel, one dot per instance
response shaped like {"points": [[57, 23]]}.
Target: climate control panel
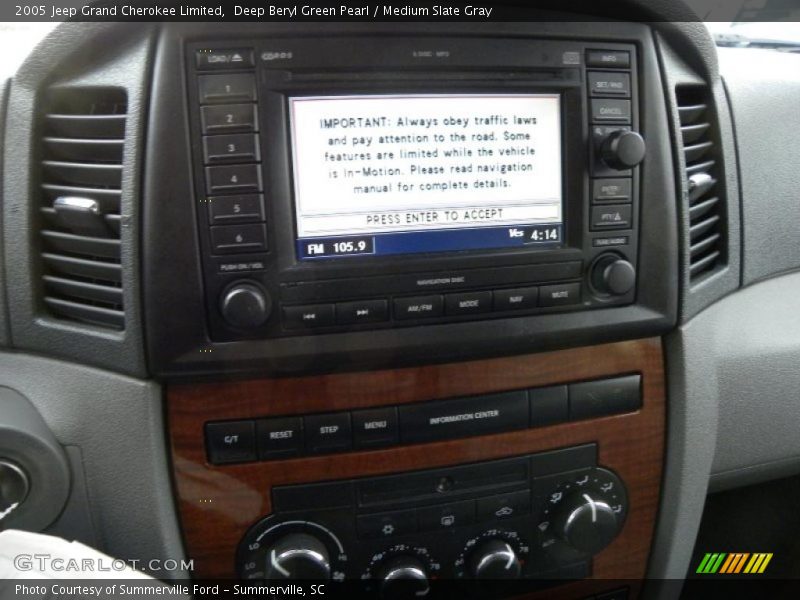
{"points": [[535, 517]]}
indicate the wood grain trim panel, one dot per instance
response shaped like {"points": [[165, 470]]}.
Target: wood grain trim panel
{"points": [[218, 503]]}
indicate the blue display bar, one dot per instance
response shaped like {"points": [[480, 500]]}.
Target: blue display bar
{"points": [[441, 240]]}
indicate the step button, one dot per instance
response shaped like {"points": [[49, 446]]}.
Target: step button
{"points": [[327, 433]]}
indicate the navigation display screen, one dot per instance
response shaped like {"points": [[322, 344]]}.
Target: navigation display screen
{"points": [[401, 174]]}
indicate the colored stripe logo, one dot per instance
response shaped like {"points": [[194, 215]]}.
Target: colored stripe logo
{"points": [[734, 563]]}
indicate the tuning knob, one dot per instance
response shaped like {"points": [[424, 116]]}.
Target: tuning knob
{"points": [[404, 577], [613, 275], [622, 149], [586, 522], [495, 559], [298, 556], [245, 305]]}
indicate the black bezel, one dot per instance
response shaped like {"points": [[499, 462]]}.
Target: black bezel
{"points": [[327, 67]]}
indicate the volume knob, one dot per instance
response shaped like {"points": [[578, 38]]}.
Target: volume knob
{"points": [[613, 275], [245, 305]]}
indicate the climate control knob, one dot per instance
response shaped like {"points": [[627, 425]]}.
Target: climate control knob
{"points": [[495, 559], [404, 577], [297, 556], [245, 305], [612, 275], [622, 149], [586, 522]]}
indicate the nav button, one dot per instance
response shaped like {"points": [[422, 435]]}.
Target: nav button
{"points": [[516, 299], [419, 307]]}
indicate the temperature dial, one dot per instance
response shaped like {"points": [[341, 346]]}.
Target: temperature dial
{"points": [[402, 571], [298, 556], [495, 554], [291, 550], [404, 577], [495, 559]]}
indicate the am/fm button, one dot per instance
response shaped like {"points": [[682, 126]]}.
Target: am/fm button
{"points": [[418, 307]]}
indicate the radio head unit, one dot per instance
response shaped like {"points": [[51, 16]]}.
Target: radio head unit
{"points": [[355, 183]]}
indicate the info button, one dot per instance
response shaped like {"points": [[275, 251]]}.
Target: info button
{"points": [[478, 415]]}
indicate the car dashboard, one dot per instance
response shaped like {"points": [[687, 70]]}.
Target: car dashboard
{"points": [[399, 306]]}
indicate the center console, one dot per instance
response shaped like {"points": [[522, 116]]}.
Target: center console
{"points": [[562, 492], [417, 254]]}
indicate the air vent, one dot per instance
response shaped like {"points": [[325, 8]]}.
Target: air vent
{"points": [[82, 142], [703, 181]]}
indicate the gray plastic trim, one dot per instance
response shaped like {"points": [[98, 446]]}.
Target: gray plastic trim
{"points": [[118, 56], [117, 422], [734, 408], [769, 155], [4, 334], [692, 416]]}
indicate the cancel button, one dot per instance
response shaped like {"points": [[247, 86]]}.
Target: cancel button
{"points": [[478, 415]]}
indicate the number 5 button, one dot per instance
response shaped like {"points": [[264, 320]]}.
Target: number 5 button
{"points": [[243, 208]]}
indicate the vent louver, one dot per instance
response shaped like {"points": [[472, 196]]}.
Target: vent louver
{"points": [[703, 181], [82, 143]]}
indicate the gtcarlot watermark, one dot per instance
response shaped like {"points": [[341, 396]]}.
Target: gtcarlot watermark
{"points": [[48, 562]]}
